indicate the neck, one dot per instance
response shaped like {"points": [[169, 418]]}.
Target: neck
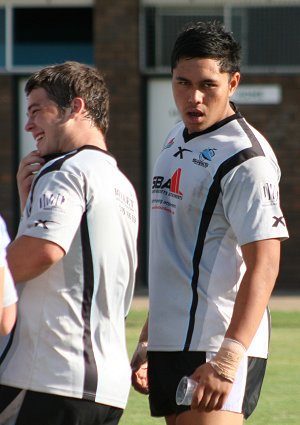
{"points": [[84, 136]]}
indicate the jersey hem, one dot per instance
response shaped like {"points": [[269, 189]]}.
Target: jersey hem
{"points": [[77, 395]]}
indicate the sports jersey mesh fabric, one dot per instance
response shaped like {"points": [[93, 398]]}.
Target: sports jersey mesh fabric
{"points": [[211, 193], [70, 336]]}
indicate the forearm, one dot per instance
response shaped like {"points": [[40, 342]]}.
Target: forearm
{"points": [[140, 355], [254, 294], [144, 333], [2, 278], [262, 262], [139, 363]]}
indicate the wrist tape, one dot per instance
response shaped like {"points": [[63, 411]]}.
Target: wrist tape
{"points": [[227, 359]]}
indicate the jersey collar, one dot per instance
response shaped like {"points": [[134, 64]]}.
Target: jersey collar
{"points": [[187, 137]]}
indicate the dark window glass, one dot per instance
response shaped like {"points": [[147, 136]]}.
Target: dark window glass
{"points": [[268, 35], [52, 35], [150, 37], [273, 36], [170, 28], [161, 27], [2, 37]]}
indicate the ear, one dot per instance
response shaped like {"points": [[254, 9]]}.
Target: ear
{"points": [[77, 105], [234, 82]]}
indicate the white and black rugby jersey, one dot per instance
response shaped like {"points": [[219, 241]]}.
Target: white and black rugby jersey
{"points": [[70, 336], [9, 290], [212, 192]]}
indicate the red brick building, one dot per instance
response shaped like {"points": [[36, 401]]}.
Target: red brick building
{"points": [[129, 40]]}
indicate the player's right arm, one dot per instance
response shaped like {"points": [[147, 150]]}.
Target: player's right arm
{"points": [[29, 165], [139, 363]]}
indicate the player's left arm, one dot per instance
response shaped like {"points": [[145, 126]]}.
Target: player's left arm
{"points": [[28, 257], [262, 261], [216, 377]]}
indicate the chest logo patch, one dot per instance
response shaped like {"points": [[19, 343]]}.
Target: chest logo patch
{"points": [[205, 157]]}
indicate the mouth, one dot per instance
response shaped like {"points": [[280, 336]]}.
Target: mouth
{"points": [[195, 114], [39, 138]]}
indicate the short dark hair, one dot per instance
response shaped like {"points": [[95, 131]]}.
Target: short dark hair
{"points": [[63, 82], [207, 40]]}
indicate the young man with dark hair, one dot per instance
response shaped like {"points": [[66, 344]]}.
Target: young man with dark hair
{"points": [[215, 233], [74, 260]]}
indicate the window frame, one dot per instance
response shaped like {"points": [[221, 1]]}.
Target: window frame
{"points": [[9, 66], [228, 17]]}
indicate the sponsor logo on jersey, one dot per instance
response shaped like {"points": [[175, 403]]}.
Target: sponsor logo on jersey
{"points": [[126, 205], [169, 143], [41, 223], [180, 152], [170, 189], [51, 200], [270, 194], [169, 185], [278, 221], [205, 157]]}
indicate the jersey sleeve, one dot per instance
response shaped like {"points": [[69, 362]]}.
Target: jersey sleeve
{"points": [[4, 241], [251, 201], [56, 208], [9, 294]]}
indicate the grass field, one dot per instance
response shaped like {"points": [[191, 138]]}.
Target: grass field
{"points": [[280, 398]]}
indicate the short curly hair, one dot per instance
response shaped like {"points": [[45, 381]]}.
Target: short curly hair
{"points": [[63, 82]]}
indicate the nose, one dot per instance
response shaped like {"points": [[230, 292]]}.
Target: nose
{"points": [[29, 125], [195, 96]]}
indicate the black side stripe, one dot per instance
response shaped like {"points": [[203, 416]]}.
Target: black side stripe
{"points": [[91, 374], [208, 210], [58, 164]]}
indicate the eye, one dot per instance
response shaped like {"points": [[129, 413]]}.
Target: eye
{"points": [[209, 85], [183, 83], [33, 113]]}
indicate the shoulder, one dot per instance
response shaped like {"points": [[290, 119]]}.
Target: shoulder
{"points": [[176, 131]]}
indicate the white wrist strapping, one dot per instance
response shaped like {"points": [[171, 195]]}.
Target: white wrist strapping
{"points": [[227, 359]]}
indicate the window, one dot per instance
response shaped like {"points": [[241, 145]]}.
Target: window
{"points": [[2, 37], [268, 35], [32, 37], [48, 35], [160, 27], [272, 36]]}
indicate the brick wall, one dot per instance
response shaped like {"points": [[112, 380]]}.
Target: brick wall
{"points": [[281, 126], [7, 156], [116, 38]]}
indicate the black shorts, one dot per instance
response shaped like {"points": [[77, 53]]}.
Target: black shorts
{"points": [[35, 408], [165, 369]]}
